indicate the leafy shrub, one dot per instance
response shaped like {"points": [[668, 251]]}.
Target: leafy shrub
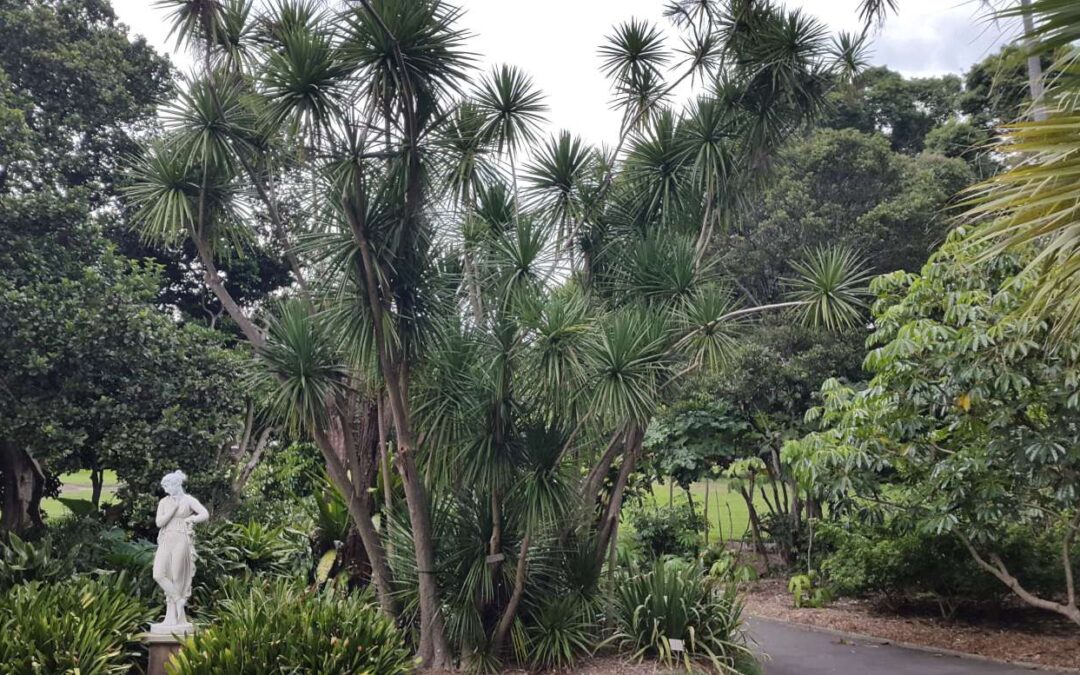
{"points": [[903, 564], [80, 626], [676, 601], [667, 530], [230, 550], [281, 484], [558, 632], [285, 628], [24, 561], [724, 566], [806, 591]]}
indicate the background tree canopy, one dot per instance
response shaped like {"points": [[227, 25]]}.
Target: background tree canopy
{"points": [[94, 374]]}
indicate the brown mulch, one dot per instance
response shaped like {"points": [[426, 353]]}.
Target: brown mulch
{"points": [[599, 665], [1016, 634]]}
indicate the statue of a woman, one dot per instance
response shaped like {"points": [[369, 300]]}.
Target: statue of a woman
{"points": [[174, 561]]}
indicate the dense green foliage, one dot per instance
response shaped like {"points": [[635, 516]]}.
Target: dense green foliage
{"points": [[82, 626], [969, 424], [673, 600], [278, 628], [667, 531], [95, 376], [907, 565]]}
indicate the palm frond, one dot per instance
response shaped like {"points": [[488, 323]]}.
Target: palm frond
{"points": [[831, 288], [514, 108]]}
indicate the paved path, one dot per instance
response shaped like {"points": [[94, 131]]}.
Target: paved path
{"points": [[797, 651]]}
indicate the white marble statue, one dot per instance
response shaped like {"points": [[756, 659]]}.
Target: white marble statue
{"points": [[174, 561]]}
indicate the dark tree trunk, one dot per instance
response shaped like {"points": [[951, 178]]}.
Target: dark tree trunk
{"points": [[24, 484], [350, 450], [755, 524], [97, 480], [609, 522]]}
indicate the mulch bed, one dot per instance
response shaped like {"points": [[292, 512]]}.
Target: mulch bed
{"points": [[600, 665], [1014, 634]]}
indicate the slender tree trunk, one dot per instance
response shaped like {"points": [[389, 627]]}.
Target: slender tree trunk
{"points": [[706, 510], [384, 456], [591, 487], [24, 485], [97, 479], [507, 618], [611, 517], [996, 566], [433, 650], [1034, 65], [755, 524], [333, 450]]}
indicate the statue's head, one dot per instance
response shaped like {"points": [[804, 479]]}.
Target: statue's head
{"points": [[173, 483]]}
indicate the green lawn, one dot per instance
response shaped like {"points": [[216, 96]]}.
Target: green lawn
{"points": [[727, 510], [77, 486]]}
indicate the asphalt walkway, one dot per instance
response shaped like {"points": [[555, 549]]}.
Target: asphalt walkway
{"points": [[797, 651]]}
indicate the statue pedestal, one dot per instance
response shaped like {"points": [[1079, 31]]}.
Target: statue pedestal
{"points": [[164, 645]]}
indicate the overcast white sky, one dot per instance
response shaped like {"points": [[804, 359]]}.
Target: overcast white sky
{"points": [[556, 40]]}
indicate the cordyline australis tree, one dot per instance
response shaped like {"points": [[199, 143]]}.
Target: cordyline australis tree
{"points": [[509, 337]]}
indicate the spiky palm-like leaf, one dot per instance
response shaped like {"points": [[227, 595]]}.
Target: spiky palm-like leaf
{"points": [[1036, 202], [210, 121], [850, 54], [655, 166], [557, 177], [514, 108], [167, 191], [709, 333], [194, 23], [299, 368], [662, 269], [635, 48], [522, 262], [238, 32], [875, 11], [495, 206], [423, 32], [830, 287], [546, 491], [466, 165], [560, 336], [305, 82], [626, 359], [710, 135]]}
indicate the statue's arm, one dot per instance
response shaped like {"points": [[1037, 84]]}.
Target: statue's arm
{"points": [[166, 508], [200, 513]]}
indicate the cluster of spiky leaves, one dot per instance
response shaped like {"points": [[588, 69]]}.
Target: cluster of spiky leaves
{"points": [[530, 320], [1035, 200]]}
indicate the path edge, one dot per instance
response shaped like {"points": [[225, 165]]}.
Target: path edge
{"points": [[916, 647]]}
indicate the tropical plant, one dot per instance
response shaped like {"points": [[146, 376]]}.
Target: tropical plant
{"points": [[673, 612], [278, 627], [494, 344], [806, 591], [25, 561], [662, 531], [559, 632], [968, 425], [82, 625], [1029, 203]]}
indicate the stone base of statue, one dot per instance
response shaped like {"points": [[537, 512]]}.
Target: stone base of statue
{"points": [[163, 642]]}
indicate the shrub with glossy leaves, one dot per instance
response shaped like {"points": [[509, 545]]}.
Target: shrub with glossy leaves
{"points": [[279, 628], [82, 626]]}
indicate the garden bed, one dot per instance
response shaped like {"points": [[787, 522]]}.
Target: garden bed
{"points": [[1018, 634], [598, 665]]}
